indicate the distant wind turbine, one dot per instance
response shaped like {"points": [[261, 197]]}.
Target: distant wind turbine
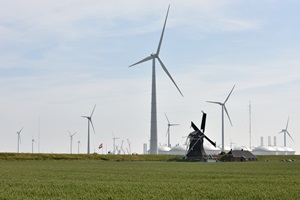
{"points": [[89, 118], [168, 131], [285, 131], [129, 146], [32, 142], [153, 56], [114, 142], [71, 140], [78, 143], [223, 108], [19, 139]]}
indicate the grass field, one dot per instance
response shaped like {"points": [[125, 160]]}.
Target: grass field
{"points": [[99, 179]]}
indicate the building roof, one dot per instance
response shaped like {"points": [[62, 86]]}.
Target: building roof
{"points": [[240, 154]]}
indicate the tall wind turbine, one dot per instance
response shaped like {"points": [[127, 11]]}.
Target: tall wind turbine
{"points": [[71, 140], [285, 131], [19, 139], [223, 108], [153, 56], [168, 131], [89, 118]]}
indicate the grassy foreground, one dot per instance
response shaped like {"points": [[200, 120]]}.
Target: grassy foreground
{"points": [[99, 179]]}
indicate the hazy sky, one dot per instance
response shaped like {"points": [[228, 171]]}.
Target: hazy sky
{"points": [[57, 60]]}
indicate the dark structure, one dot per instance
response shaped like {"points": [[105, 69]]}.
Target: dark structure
{"points": [[240, 156], [196, 151]]}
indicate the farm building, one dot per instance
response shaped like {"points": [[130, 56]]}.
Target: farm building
{"points": [[240, 156]]}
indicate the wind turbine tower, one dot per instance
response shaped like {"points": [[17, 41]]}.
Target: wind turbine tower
{"points": [[71, 140], [285, 131], [223, 108], [78, 143], [32, 142], [168, 131], [89, 118], [19, 139], [153, 57]]}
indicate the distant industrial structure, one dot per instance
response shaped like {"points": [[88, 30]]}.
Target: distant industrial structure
{"points": [[272, 149]]}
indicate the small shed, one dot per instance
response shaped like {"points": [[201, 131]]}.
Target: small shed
{"points": [[240, 156]]}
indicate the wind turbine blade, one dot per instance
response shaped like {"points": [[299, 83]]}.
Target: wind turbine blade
{"points": [[93, 111], [174, 124], [74, 134], [289, 135], [20, 139], [281, 132], [215, 102], [144, 60], [92, 125], [167, 119], [85, 116], [162, 33], [167, 132], [229, 95], [69, 132], [287, 124], [227, 114], [165, 69], [21, 130]]}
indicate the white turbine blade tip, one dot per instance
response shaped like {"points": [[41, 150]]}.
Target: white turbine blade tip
{"points": [[229, 95], [143, 60]]}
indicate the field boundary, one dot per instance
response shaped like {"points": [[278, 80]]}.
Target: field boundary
{"points": [[41, 156]]}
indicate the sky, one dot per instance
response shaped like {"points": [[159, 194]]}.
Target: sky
{"points": [[58, 60]]}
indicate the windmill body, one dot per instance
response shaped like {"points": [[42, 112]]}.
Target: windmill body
{"points": [[89, 118], [223, 107], [153, 57], [196, 139]]}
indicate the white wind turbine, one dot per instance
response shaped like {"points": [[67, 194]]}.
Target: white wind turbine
{"points": [[153, 56], [19, 139], [89, 118], [78, 143], [32, 142], [71, 140], [223, 108], [114, 142], [168, 131], [285, 131]]}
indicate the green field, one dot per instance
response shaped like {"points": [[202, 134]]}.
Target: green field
{"points": [[100, 179]]}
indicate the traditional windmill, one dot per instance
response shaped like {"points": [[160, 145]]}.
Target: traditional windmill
{"points": [[196, 150]]}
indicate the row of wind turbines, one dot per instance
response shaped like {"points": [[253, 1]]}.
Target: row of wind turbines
{"points": [[153, 123], [19, 141], [71, 135]]}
